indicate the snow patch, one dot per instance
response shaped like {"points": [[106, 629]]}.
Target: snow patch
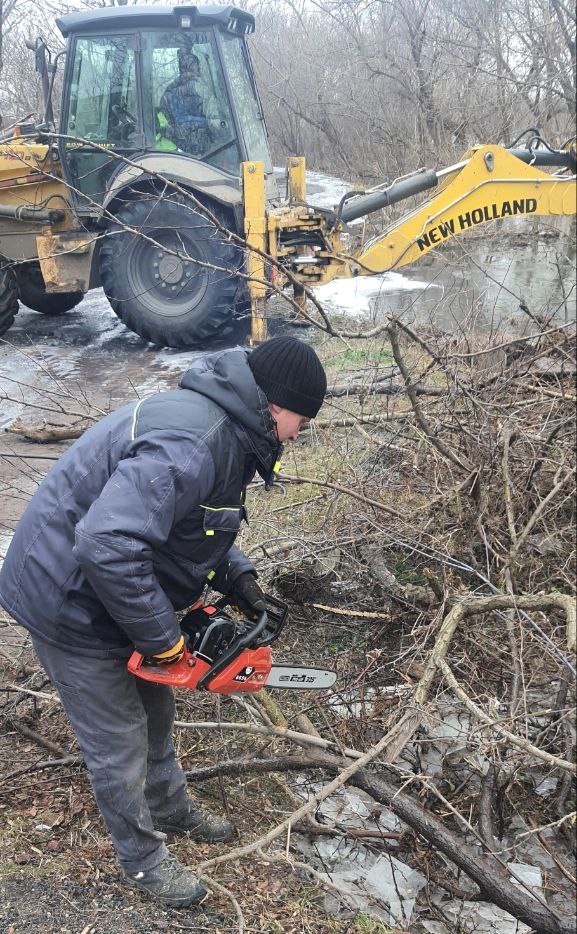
{"points": [[474, 918], [357, 296], [546, 786], [104, 324], [383, 887], [5, 539], [531, 876], [325, 191], [16, 368], [352, 704], [177, 360]]}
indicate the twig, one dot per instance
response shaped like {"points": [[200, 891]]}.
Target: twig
{"points": [[353, 421], [538, 512], [475, 605], [507, 437], [218, 887], [270, 731], [519, 741], [421, 420], [486, 807], [42, 695], [341, 489], [41, 740], [357, 832], [352, 612], [551, 393], [562, 868], [44, 764]]}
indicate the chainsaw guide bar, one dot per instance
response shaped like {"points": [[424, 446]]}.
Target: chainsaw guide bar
{"points": [[295, 677]]}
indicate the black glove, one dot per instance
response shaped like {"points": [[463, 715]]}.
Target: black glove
{"points": [[248, 596]]}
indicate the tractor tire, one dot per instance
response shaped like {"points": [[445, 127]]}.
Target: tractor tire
{"points": [[33, 294], [8, 298], [164, 299]]}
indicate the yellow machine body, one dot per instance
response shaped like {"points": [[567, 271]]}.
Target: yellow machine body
{"points": [[492, 185], [31, 181], [29, 176]]}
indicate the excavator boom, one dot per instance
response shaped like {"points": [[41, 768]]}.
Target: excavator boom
{"points": [[491, 183]]}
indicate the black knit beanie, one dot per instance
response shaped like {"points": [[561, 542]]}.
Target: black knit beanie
{"points": [[290, 374]]}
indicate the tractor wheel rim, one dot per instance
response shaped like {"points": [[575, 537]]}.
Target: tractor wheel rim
{"points": [[169, 285]]}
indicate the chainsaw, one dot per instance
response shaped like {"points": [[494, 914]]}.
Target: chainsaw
{"points": [[227, 656]]}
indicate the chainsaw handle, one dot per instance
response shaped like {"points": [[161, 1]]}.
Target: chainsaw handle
{"points": [[276, 611], [244, 641]]}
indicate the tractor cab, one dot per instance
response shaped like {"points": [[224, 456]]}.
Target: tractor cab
{"points": [[157, 79]]}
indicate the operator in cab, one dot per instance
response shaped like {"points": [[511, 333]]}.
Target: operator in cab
{"points": [[181, 119], [130, 526]]}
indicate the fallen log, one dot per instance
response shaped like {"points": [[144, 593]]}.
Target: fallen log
{"points": [[44, 433]]}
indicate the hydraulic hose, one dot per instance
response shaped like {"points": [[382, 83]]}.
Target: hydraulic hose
{"points": [[36, 215], [563, 158]]}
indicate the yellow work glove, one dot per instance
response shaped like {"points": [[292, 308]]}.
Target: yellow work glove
{"points": [[172, 655]]}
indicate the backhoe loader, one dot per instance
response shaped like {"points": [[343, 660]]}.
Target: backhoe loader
{"points": [[158, 184]]}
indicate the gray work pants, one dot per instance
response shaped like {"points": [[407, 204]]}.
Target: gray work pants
{"points": [[124, 729]]}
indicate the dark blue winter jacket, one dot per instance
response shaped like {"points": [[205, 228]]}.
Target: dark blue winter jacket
{"points": [[140, 512]]}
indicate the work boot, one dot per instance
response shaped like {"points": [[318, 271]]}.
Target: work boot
{"points": [[170, 883], [200, 824]]}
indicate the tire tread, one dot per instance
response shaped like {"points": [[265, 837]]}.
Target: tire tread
{"points": [[134, 214], [8, 298]]}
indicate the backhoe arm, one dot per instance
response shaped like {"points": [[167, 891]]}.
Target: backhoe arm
{"points": [[490, 183]]}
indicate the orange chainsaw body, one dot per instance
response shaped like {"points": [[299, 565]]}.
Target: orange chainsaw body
{"points": [[246, 673]]}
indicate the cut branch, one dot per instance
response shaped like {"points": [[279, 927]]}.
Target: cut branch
{"points": [[44, 434], [415, 405]]}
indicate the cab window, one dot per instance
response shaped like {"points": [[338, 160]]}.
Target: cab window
{"points": [[103, 101], [250, 117], [185, 98]]}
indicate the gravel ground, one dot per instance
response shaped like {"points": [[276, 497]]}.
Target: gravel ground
{"points": [[49, 905]]}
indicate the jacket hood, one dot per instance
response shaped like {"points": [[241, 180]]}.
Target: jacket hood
{"points": [[226, 378]]}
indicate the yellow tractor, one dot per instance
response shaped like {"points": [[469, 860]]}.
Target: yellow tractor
{"points": [[159, 184]]}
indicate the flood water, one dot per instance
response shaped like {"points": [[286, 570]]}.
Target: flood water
{"points": [[489, 285]]}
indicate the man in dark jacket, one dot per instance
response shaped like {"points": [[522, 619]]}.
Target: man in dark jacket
{"points": [[127, 528]]}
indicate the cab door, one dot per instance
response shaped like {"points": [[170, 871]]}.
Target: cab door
{"points": [[101, 116]]}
